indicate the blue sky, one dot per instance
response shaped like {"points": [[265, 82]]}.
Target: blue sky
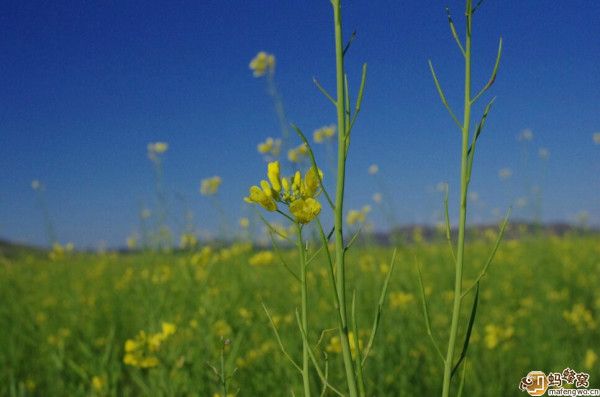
{"points": [[86, 85]]}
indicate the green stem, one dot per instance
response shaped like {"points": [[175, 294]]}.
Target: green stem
{"points": [[463, 210], [304, 297], [339, 199]]}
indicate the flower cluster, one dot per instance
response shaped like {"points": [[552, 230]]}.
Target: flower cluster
{"points": [[155, 149], [262, 258], [358, 216], [262, 63], [210, 186], [270, 147], [296, 193], [324, 133], [140, 352], [298, 154]]}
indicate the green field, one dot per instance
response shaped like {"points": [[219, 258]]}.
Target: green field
{"points": [[65, 322]]}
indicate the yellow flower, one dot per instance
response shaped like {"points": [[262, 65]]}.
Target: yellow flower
{"points": [[494, 335], [590, 359], [358, 216], [298, 194], [188, 240], [264, 198], [262, 258], [158, 147], [270, 146], [401, 299], [305, 210], [298, 154], [273, 175], [335, 345], [244, 223], [373, 169], [168, 329], [262, 63], [210, 186], [98, 383], [324, 133]]}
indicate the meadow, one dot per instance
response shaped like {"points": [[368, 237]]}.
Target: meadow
{"points": [[66, 320], [306, 295]]}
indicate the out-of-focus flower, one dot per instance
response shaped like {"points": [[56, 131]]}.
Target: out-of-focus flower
{"points": [[244, 223], [590, 359], [98, 383], [210, 186], [504, 173], [521, 202], [270, 147], [140, 351], [188, 240], [525, 135], [155, 149], [335, 345], [298, 154], [358, 216], [132, 241], [145, 213], [373, 169], [401, 300], [377, 198], [322, 134], [36, 185], [262, 63], [262, 258], [596, 138], [544, 153]]}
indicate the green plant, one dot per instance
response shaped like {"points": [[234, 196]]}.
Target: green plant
{"points": [[469, 142]]}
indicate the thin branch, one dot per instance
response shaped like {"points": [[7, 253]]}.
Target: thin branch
{"points": [[426, 314], [492, 254], [493, 76], [324, 91], [443, 97], [454, 33], [285, 353], [379, 309]]}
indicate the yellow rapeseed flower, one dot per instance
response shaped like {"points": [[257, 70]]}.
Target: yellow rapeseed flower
{"points": [[590, 359], [305, 210], [98, 382], [324, 133], [270, 147], [296, 193], [155, 149], [244, 223], [262, 258], [298, 154], [358, 216], [210, 186], [262, 63]]}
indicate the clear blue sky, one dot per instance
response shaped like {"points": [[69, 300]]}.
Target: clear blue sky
{"points": [[84, 86]]}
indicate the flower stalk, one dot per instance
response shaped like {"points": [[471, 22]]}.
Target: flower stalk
{"points": [[343, 140]]}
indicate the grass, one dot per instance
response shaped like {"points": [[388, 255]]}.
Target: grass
{"points": [[65, 322]]}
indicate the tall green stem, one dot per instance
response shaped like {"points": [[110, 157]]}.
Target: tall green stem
{"points": [[304, 298], [339, 199], [463, 210]]}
